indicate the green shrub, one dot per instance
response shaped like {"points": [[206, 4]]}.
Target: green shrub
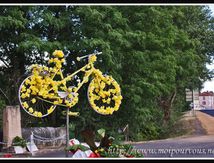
{"points": [[18, 141]]}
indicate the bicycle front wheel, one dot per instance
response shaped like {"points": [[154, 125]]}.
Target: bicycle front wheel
{"points": [[104, 95], [31, 102]]}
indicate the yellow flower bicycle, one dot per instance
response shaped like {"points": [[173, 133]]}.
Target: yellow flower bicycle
{"points": [[46, 88]]}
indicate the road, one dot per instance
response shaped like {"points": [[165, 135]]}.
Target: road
{"points": [[209, 112], [191, 147], [199, 145]]}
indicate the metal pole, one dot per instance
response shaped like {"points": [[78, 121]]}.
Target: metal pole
{"points": [[193, 103], [67, 131], [31, 142]]}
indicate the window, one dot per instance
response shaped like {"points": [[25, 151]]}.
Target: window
{"points": [[203, 97]]}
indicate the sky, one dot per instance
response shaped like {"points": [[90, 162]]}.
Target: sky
{"points": [[209, 85]]}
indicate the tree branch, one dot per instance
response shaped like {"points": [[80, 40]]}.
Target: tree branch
{"points": [[173, 97], [5, 95]]}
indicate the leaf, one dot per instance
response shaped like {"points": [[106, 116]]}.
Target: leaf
{"points": [[101, 132], [78, 146]]}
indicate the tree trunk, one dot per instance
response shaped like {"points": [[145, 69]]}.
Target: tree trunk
{"points": [[166, 105], [166, 117]]}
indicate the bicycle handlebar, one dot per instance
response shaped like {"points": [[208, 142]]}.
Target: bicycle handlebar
{"points": [[97, 53]]}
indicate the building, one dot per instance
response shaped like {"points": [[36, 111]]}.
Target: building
{"points": [[193, 97], [206, 100], [196, 99]]}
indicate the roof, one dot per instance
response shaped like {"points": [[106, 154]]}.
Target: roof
{"points": [[207, 93]]}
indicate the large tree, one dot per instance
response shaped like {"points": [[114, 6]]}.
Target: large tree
{"points": [[154, 52]]}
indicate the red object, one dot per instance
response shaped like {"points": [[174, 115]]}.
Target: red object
{"points": [[71, 142], [94, 155], [7, 155]]}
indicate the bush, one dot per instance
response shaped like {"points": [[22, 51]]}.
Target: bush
{"points": [[18, 141]]}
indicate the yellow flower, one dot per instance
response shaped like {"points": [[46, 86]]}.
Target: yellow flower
{"points": [[92, 58], [74, 89], [120, 97], [46, 68], [102, 85], [58, 53], [23, 89], [60, 101], [69, 105], [25, 105], [63, 60], [35, 113], [28, 90], [56, 102], [69, 90], [33, 100], [116, 108], [108, 101], [70, 96], [55, 88], [51, 109], [23, 96], [51, 60], [39, 114], [27, 81], [31, 110]]}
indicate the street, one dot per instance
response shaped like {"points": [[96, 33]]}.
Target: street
{"points": [[209, 112], [198, 146]]}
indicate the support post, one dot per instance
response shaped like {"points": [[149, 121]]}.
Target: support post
{"points": [[193, 102], [67, 131], [11, 124]]}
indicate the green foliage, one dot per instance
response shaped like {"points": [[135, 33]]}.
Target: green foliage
{"points": [[154, 52], [75, 147], [108, 146], [18, 141]]}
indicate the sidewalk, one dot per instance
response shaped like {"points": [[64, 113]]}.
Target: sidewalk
{"points": [[48, 151], [207, 122]]}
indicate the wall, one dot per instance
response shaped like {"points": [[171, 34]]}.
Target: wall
{"points": [[44, 136]]}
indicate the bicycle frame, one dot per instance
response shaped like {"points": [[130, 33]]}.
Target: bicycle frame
{"points": [[89, 66]]}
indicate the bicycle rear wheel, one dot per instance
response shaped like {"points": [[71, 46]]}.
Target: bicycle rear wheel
{"points": [[104, 95], [31, 102]]}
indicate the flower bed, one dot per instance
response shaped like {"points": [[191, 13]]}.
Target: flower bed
{"points": [[105, 149]]}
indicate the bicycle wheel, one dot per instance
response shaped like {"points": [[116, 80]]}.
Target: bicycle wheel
{"points": [[104, 95], [31, 102]]}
